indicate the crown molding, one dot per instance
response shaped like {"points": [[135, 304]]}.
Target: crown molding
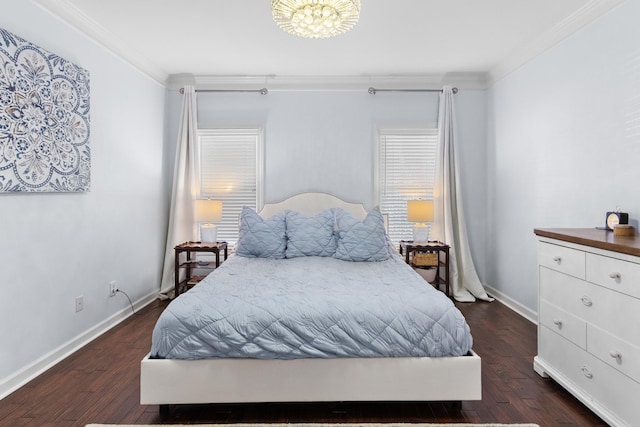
{"points": [[588, 13], [347, 83], [67, 12]]}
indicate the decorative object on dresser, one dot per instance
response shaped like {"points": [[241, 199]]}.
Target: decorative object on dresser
{"points": [[420, 211], [615, 218], [432, 254], [207, 212], [624, 230], [588, 322], [191, 263]]}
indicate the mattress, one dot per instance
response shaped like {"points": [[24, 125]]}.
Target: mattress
{"points": [[311, 307]]}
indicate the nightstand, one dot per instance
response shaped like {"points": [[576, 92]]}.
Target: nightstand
{"points": [[190, 263], [441, 250]]}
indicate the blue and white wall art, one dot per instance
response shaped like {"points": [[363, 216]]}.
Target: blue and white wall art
{"points": [[44, 120]]}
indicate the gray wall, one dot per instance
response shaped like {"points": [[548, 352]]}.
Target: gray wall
{"points": [[55, 247], [563, 145]]}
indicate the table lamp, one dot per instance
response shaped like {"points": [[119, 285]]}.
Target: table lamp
{"points": [[420, 211], [207, 212]]}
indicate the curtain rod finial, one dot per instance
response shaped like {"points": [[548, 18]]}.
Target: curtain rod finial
{"points": [[372, 91]]}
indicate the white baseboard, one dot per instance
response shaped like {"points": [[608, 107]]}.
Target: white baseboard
{"points": [[514, 305], [17, 380]]}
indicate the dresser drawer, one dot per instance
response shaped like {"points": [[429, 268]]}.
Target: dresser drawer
{"points": [[622, 355], [612, 311], [621, 276], [562, 259], [564, 323], [564, 291], [582, 373]]}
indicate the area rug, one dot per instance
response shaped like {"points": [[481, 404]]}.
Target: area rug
{"points": [[320, 425]]}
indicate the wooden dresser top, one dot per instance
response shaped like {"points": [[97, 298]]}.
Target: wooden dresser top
{"points": [[601, 239]]}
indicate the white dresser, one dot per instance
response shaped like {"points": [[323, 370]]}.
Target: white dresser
{"points": [[589, 319]]}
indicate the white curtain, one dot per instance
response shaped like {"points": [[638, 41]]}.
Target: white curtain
{"points": [[183, 194], [449, 224]]}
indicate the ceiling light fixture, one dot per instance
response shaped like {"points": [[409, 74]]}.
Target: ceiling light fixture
{"points": [[316, 19]]}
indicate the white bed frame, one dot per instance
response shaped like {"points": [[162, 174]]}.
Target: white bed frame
{"points": [[164, 381]]}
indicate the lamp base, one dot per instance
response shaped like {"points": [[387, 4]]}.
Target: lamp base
{"points": [[208, 233], [420, 233]]}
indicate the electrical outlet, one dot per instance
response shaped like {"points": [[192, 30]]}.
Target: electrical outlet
{"points": [[113, 288], [79, 303]]}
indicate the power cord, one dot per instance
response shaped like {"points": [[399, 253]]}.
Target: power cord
{"points": [[130, 303]]}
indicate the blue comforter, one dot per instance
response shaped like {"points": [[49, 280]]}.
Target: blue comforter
{"points": [[311, 307]]}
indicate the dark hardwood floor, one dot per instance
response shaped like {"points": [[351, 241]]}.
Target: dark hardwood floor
{"points": [[100, 384]]}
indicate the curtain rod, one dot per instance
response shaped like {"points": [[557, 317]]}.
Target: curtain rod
{"points": [[262, 91], [373, 90]]}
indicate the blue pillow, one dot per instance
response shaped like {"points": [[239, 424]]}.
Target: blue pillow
{"points": [[310, 236], [261, 238], [361, 240]]}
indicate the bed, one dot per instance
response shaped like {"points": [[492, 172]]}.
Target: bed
{"points": [[178, 371]]}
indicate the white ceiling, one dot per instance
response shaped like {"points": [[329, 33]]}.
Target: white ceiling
{"points": [[401, 37]]}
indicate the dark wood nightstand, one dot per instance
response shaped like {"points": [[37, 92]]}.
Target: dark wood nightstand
{"points": [[408, 248], [190, 264]]}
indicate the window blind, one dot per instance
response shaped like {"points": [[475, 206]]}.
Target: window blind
{"points": [[229, 169], [406, 171]]}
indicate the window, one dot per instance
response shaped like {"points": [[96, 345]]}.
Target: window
{"points": [[405, 170], [229, 168]]}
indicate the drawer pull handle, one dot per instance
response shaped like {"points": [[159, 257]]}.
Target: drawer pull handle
{"points": [[557, 259], [587, 373], [557, 322], [615, 275], [586, 301], [615, 354]]}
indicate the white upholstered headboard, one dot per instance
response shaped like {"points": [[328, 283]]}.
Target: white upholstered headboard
{"points": [[309, 204]]}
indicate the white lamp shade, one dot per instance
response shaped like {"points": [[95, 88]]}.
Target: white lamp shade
{"points": [[208, 210], [420, 210]]}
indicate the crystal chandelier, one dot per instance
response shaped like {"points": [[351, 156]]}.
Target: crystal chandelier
{"points": [[316, 19]]}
